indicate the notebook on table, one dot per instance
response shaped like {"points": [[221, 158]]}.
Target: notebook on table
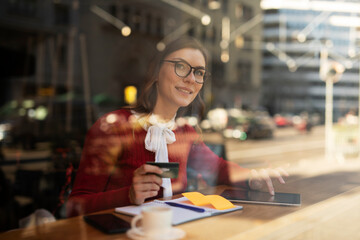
{"points": [[183, 215]]}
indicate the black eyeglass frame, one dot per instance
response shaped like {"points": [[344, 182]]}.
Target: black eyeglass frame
{"points": [[191, 69]]}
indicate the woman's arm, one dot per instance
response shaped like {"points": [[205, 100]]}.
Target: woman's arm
{"points": [[107, 176], [216, 170], [98, 164]]}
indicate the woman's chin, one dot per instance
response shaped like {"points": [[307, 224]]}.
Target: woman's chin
{"points": [[185, 104]]}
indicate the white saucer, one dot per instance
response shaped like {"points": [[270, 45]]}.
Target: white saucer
{"points": [[172, 234]]}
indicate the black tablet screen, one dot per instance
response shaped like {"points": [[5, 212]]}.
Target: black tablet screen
{"points": [[291, 199]]}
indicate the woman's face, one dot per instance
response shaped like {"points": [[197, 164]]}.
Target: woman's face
{"points": [[175, 91]]}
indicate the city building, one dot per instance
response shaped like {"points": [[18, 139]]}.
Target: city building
{"points": [[300, 39], [96, 48]]}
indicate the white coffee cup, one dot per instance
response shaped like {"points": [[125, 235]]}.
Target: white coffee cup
{"points": [[156, 221]]}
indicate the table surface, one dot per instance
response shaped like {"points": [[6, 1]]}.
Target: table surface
{"points": [[330, 209]]}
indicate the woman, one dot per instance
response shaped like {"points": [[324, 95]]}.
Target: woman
{"points": [[113, 170]]}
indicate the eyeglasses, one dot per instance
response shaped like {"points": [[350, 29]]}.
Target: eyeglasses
{"points": [[183, 69]]}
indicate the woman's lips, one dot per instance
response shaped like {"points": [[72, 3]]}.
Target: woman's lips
{"points": [[184, 90]]}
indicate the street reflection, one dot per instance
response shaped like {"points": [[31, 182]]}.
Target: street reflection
{"points": [[65, 63]]}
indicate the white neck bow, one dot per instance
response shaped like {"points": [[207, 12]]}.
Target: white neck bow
{"points": [[159, 134]]}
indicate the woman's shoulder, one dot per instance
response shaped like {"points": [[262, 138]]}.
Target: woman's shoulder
{"points": [[188, 133], [112, 120], [184, 127], [124, 112]]}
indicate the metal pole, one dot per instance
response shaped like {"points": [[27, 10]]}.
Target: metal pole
{"points": [[329, 119], [86, 83], [40, 63], [70, 79], [358, 136], [40, 55], [70, 64], [328, 103]]}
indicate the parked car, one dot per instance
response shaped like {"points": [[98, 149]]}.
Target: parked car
{"points": [[244, 125], [260, 127], [236, 124], [283, 120]]}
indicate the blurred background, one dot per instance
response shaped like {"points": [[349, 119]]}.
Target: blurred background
{"points": [[284, 82]]}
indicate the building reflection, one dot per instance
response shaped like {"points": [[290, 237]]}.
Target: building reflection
{"points": [[66, 62], [44, 40]]}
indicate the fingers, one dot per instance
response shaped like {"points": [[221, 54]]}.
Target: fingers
{"points": [[138, 197], [282, 171], [266, 176], [146, 168], [145, 183], [144, 187], [279, 173], [147, 174], [145, 190], [276, 174], [255, 180], [147, 178]]}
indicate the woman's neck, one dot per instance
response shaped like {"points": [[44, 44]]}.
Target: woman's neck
{"points": [[164, 113]]}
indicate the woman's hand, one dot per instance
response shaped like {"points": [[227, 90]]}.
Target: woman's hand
{"points": [[265, 175], [145, 183]]}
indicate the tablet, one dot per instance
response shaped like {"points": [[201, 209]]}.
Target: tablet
{"points": [[248, 196]]}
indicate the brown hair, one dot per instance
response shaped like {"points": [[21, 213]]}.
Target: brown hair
{"points": [[148, 94]]}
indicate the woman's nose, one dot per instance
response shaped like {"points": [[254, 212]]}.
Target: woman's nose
{"points": [[190, 77]]}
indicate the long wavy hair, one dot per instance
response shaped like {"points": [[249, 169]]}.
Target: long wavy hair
{"points": [[148, 93]]}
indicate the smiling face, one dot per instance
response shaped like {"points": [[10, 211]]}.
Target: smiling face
{"points": [[173, 91]]}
